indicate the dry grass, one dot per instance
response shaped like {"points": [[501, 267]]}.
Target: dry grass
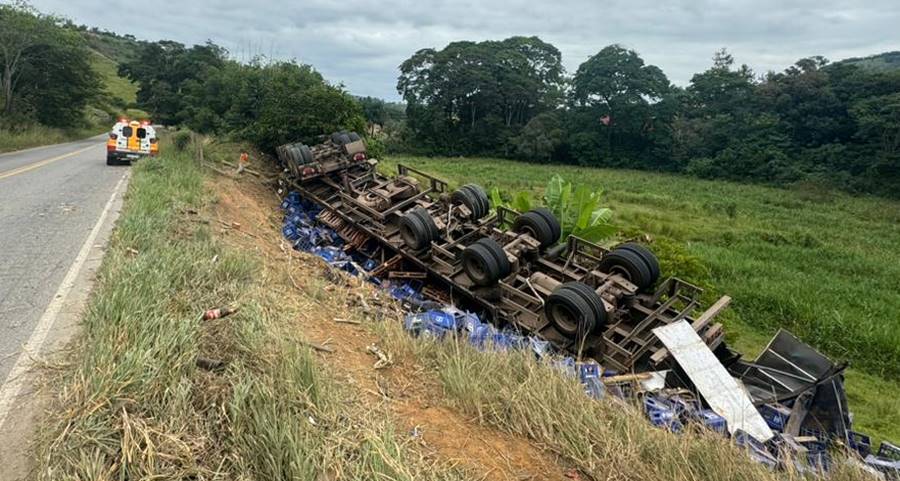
{"points": [[606, 439], [132, 403]]}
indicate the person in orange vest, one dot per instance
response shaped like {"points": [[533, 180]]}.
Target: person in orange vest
{"points": [[242, 163]]}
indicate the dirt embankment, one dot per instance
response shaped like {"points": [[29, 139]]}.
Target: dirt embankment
{"points": [[337, 316]]}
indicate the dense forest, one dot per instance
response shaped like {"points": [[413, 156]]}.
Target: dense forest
{"points": [[829, 123]]}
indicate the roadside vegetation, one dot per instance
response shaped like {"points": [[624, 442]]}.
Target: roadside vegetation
{"points": [[132, 402], [53, 86], [817, 262], [264, 103]]}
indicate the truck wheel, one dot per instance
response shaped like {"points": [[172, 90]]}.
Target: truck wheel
{"points": [[481, 196], [628, 264], [469, 198], [648, 257], [306, 155], [590, 296], [417, 229], [552, 221], [427, 221], [485, 262], [353, 136], [293, 160], [572, 312], [534, 224]]}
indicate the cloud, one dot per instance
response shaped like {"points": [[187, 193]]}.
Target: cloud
{"points": [[360, 43]]}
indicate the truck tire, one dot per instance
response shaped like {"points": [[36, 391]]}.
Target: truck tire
{"points": [[498, 253], [552, 221], [469, 198], [353, 136], [568, 310], [293, 160], [648, 257], [417, 229], [534, 224], [628, 264], [485, 262], [306, 155], [590, 296], [481, 196], [427, 221]]}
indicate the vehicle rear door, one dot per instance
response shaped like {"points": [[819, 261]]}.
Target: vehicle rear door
{"points": [[134, 143]]}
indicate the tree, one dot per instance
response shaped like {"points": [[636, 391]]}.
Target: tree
{"points": [[615, 91], [540, 137], [165, 71], [46, 69], [803, 98], [473, 97]]}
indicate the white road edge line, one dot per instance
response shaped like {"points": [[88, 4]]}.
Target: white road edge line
{"points": [[16, 379]]}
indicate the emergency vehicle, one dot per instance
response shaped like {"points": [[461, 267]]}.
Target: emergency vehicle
{"points": [[129, 141]]}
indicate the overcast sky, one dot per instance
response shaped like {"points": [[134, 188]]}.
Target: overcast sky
{"points": [[360, 43]]}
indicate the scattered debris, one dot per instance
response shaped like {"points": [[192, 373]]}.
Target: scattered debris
{"points": [[207, 364], [346, 321], [218, 313], [324, 347], [384, 360], [711, 379]]}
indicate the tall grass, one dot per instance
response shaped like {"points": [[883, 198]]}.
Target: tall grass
{"points": [[133, 404], [34, 135], [605, 439], [823, 264]]}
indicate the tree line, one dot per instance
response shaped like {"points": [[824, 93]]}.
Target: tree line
{"points": [[829, 123], [46, 75], [266, 103]]}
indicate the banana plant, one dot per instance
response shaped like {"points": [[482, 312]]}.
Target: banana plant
{"points": [[577, 208]]}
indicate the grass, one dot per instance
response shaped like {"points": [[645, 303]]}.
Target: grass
{"points": [[35, 135], [117, 87], [823, 264], [605, 439], [132, 403]]}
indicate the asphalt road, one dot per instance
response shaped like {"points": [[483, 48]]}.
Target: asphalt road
{"points": [[50, 200]]}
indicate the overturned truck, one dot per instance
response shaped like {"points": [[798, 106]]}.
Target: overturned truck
{"points": [[610, 305], [585, 299]]}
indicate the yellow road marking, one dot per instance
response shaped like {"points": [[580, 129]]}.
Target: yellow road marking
{"points": [[40, 163]]}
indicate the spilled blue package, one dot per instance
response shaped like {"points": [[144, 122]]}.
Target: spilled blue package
{"points": [[662, 413], [776, 416], [757, 450]]}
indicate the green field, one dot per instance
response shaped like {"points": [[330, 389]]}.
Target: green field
{"points": [[822, 264]]}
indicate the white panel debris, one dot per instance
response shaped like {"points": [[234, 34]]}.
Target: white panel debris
{"points": [[721, 391]]}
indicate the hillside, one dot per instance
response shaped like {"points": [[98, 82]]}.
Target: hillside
{"points": [[887, 61], [821, 264]]}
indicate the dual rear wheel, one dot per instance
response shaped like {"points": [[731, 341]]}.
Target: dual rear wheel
{"points": [[474, 198]]}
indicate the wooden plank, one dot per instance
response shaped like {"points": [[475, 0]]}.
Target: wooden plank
{"points": [[698, 325]]}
